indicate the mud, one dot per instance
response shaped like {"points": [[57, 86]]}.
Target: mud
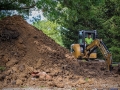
{"points": [[25, 50]]}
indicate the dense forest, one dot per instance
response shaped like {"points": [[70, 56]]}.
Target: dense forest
{"points": [[66, 17]]}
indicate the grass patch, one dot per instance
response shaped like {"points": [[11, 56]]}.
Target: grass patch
{"points": [[86, 79], [2, 68], [114, 65]]}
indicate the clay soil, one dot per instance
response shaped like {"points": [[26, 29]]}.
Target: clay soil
{"points": [[24, 49]]}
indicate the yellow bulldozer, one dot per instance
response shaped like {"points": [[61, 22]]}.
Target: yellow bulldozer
{"points": [[81, 51]]}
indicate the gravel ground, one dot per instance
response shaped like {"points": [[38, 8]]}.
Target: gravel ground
{"points": [[31, 88]]}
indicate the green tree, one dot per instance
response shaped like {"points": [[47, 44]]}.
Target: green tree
{"points": [[51, 29], [111, 26], [20, 7], [16, 4]]}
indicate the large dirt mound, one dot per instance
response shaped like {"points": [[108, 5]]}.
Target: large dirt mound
{"points": [[25, 51]]}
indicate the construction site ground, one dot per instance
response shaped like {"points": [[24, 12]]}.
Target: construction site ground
{"points": [[29, 58]]}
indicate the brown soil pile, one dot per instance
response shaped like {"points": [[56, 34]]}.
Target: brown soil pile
{"points": [[24, 50]]}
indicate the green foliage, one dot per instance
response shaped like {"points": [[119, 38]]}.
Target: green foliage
{"points": [[51, 29], [111, 27], [112, 30], [16, 4], [19, 7], [86, 79], [2, 68]]}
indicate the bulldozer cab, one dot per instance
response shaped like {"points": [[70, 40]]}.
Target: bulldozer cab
{"points": [[78, 50], [83, 34]]}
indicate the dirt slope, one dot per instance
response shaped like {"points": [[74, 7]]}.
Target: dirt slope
{"points": [[24, 50]]}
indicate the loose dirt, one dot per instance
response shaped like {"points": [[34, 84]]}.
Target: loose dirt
{"points": [[31, 58]]}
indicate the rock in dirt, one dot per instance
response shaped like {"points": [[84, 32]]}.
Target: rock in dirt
{"points": [[80, 81], [19, 82], [39, 63], [21, 68], [2, 77], [11, 62]]}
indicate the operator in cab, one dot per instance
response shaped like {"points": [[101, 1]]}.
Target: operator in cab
{"points": [[88, 40]]}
